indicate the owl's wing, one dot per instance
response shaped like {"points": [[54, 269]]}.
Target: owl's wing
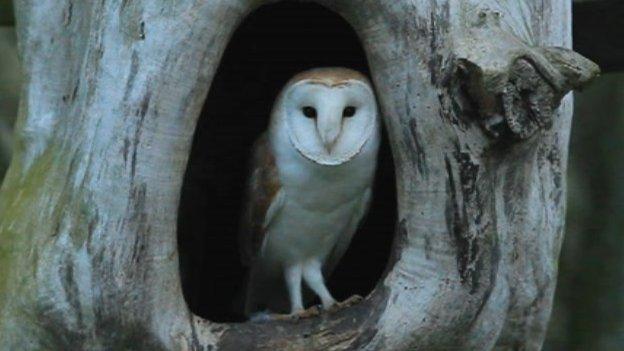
{"points": [[265, 198], [345, 239]]}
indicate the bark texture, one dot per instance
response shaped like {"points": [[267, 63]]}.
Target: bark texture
{"points": [[472, 103]]}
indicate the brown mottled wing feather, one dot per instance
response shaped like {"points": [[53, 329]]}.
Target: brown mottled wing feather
{"points": [[263, 200]]}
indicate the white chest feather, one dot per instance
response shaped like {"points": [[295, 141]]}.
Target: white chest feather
{"points": [[320, 203]]}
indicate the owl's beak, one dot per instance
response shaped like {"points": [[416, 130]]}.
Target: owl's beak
{"points": [[329, 146], [329, 130]]}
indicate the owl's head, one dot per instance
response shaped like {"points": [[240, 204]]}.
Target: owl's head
{"points": [[329, 114]]}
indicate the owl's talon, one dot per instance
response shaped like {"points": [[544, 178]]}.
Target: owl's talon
{"points": [[309, 313], [280, 317], [346, 303]]}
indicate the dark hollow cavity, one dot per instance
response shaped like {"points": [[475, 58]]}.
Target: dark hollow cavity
{"points": [[271, 45]]}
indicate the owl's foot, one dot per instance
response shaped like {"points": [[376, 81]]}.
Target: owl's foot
{"points": [[279, 317], [309, 313], [346, 303]]}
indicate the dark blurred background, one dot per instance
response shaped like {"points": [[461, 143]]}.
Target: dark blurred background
{"points": [[589, 304]]}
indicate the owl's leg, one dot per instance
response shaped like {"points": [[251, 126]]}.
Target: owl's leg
{"points": [[314, 278], [292, 275]]}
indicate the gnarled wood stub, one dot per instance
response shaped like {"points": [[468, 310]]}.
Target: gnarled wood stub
{"points": [[113, 90]]}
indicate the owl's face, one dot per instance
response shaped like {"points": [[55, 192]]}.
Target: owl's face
{"points": [[329, 116]]}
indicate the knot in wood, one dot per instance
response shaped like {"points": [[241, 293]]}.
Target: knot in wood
{"points": [[511, 88]]}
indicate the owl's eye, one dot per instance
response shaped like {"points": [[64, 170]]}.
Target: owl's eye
{"points": [[309, 111], [348, 111]]}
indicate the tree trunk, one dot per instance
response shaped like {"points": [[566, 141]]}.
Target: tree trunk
{"points": [[471, 101]]}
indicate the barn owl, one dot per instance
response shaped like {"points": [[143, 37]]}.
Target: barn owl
{"points": [[310, 186]]}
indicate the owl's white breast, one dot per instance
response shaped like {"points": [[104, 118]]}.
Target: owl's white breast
{"points": [[320, 201]]}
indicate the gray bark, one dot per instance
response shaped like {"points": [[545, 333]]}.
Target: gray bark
{"points": [[112, 94]]}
